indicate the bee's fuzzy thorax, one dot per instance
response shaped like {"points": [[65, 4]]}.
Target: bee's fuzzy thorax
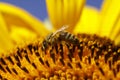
{"points": [[90, 57]]}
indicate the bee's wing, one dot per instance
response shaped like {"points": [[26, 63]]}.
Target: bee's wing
{"points": [[61, 29]]}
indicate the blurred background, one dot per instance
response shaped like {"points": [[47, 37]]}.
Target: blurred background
{"points": [[38, 8]]}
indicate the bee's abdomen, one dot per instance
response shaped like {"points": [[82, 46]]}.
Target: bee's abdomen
{"points": [[68, 37]]}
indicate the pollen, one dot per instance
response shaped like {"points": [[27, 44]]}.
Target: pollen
{"points": [[92, 57]]}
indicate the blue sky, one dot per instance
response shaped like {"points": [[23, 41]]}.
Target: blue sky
{"points": [[38, 8]]}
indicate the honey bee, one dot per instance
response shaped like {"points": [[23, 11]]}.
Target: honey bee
{"points": [[58, 36]]}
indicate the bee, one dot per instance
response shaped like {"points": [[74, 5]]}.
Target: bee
{"points": [[58, 36]]}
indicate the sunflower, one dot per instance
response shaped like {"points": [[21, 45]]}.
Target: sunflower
{"points": [[18, 27]]}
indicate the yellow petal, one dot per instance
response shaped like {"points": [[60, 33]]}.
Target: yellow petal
{"points": [[16, 26], [110, 16], [64, 12], [19, 34], [5, 40], [116, 29], [115, 33], [18, 17], [89, 21]]}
